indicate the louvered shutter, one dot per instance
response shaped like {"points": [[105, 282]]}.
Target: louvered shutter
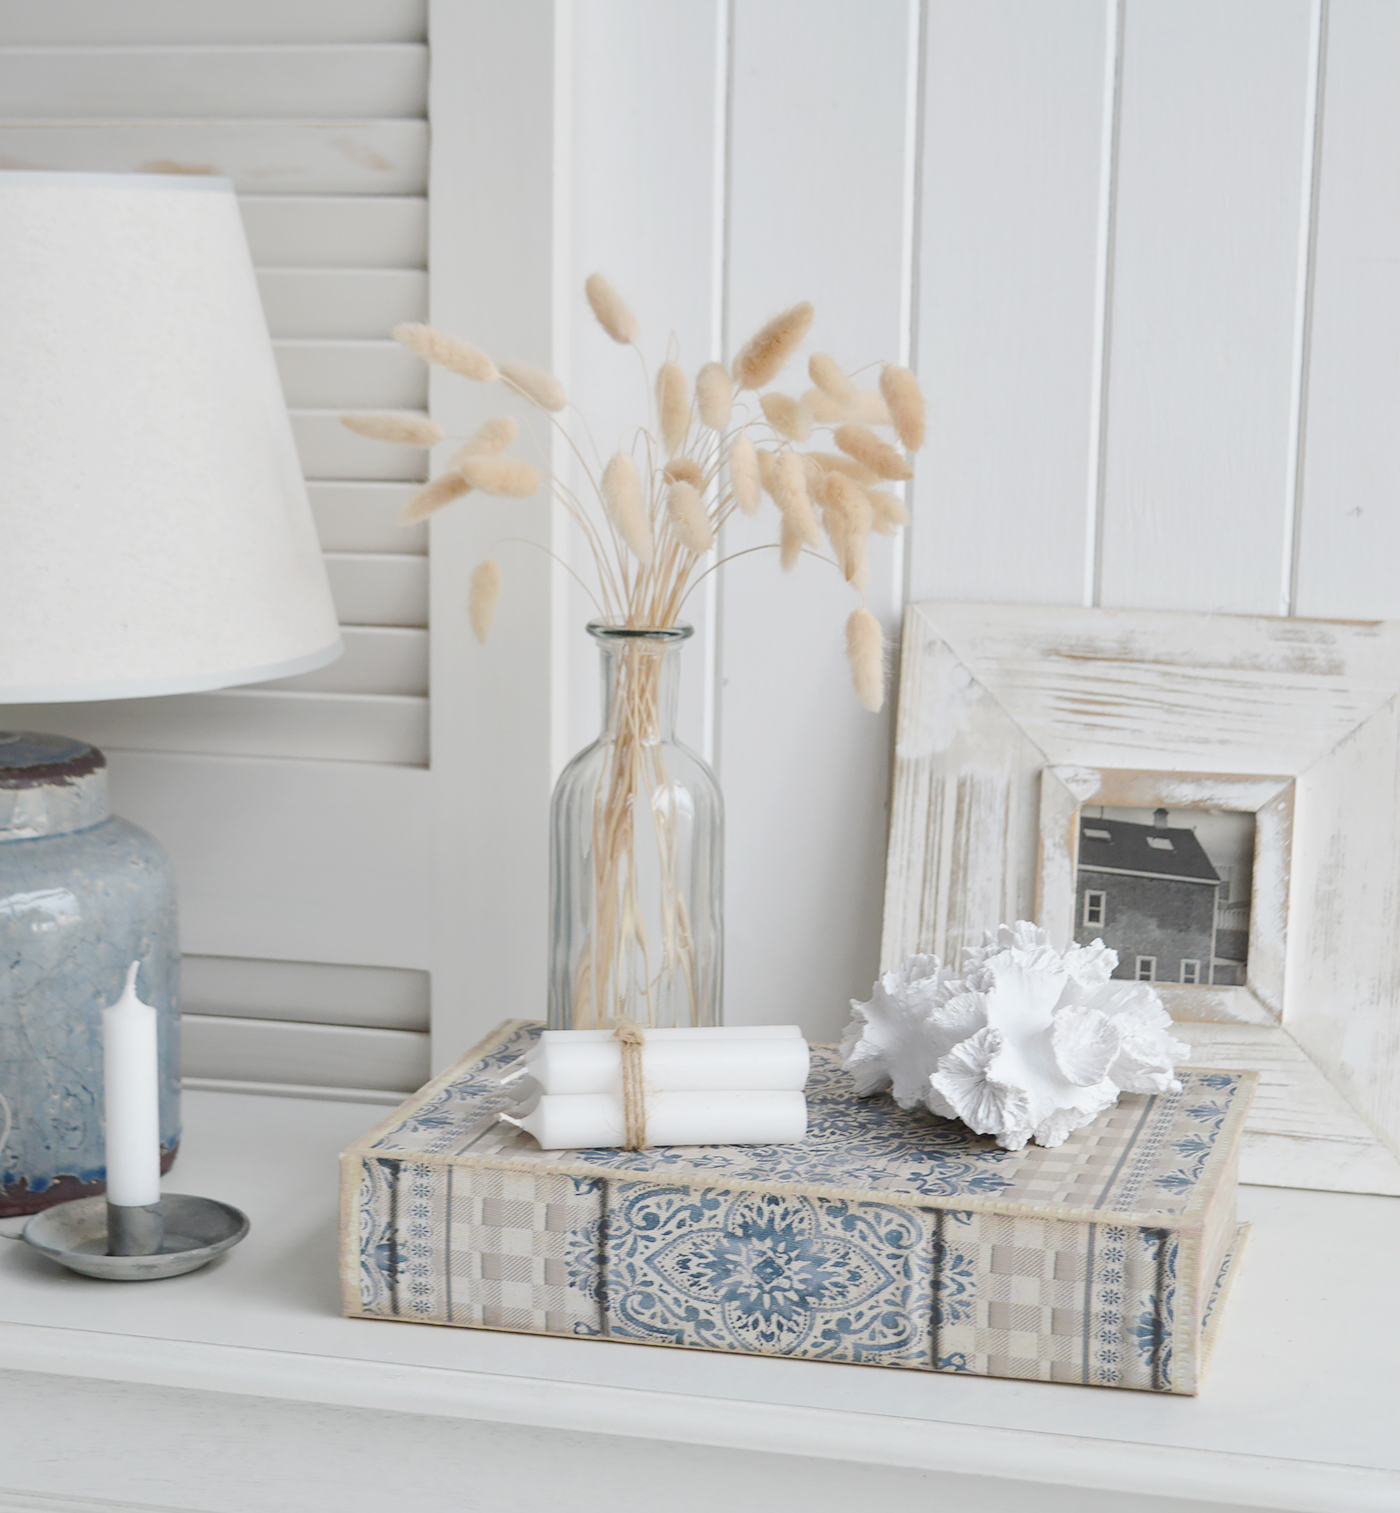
{"points": [[296, 811]]}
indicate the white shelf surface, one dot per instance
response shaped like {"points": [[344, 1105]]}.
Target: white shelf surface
{"points": [[1300, 1408]]}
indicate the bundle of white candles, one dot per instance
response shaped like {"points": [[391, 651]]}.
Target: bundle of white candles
{"points": [[739, 1085]]}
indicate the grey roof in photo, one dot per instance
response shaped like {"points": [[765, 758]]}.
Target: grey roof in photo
{"points": [[1144, 850]]}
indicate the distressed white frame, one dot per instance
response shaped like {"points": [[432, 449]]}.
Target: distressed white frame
{"points": [[1012, 717]]}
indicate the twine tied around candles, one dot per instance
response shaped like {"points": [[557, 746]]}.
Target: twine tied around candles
{"points": [[630, 1039]]}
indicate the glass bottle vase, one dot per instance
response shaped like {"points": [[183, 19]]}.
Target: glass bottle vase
{"points": [[636, 854]]}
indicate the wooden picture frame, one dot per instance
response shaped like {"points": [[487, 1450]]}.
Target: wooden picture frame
{"points": [[1013, 718]]}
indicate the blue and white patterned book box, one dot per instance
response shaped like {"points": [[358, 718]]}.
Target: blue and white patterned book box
{"points": [[886, 1238]]}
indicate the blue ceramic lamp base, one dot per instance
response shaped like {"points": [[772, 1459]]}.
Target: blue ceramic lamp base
{"points": [[83, 894]]}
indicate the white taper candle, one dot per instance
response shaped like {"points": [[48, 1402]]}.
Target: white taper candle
{"points": [[131, 1086]]}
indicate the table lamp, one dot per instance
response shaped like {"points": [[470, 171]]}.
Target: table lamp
{"points": [[155, 538]]}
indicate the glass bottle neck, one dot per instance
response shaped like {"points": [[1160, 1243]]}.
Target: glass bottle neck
{"points": [[641, 687]]}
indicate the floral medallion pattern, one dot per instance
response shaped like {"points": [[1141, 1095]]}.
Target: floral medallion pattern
{"points": [[768, 1273]]}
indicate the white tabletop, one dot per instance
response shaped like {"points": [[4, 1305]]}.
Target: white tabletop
{"points": [[1298, 1410]]}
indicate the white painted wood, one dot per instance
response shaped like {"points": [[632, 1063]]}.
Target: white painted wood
{"points": [[298, 157], [1349, 533], [257, 721], [818, 210], [1211, 180], [374, 588], [341, 302], [500, 75], [646, 209], [328, 451], [232, 81], [1002, 706], [1345, 1008], [306, 992], [269, 1050], [253, 1354], [1225, 694], [336, 231], [350, 375], [1014, 107], [359, 517], [87, 22], [377, 659], [289, 860]]}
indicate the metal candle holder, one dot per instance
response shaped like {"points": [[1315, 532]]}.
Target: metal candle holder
{"points": [[122, 1243]]}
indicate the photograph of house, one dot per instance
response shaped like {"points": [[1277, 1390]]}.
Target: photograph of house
{"points": [[1171, 897]]}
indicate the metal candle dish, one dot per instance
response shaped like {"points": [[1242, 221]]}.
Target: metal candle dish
{"points": [[196, 1230]]}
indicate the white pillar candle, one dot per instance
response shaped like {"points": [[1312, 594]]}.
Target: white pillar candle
{"points": [[131, 1087], [580, 1121], [777, 1065]]}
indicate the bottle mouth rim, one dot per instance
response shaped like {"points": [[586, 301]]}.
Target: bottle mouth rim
{"points": [[600, 630]]}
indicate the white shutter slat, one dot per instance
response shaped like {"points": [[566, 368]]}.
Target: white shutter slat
{"points": [[351, 375], [336, 231], [341, 303], [301, 157], [329, 451], [48, 83], [381, 728], [308, 992], [378, 659], [268, 1050], [379, 588], [207, 21], [359, 517], [289, 860]]}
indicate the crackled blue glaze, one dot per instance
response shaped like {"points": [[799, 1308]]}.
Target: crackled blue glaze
{"points": [[82, 895]]}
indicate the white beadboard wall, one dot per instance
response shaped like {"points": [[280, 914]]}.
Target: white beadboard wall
{"points": [[1144, 255]]}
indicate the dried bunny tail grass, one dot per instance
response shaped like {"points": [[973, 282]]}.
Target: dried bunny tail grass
{"points": [[446, 351], [767, 472], [714, 394], [865, 406], [761, 358], [906, 401], [613, 315], [483, 596], [505, 477], [673, 405], [622, 495], [789, 545], [866, 447], [788, 416], [406, 430], [865, 651], [825, 372], [847, 517], [790, 494], [815, 475], [890, 515], [539, 387], [686, 468], [744, 477], [686, 512], [834, 462], [431, 498], [493, 436]]}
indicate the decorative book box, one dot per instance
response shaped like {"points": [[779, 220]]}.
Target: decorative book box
{"points": [[886, 1238]]}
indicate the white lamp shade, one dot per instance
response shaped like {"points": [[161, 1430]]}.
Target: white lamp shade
{"points": [[155, 534]]}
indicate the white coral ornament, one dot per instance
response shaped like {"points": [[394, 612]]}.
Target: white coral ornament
{"points": [[1023, 1042]]}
